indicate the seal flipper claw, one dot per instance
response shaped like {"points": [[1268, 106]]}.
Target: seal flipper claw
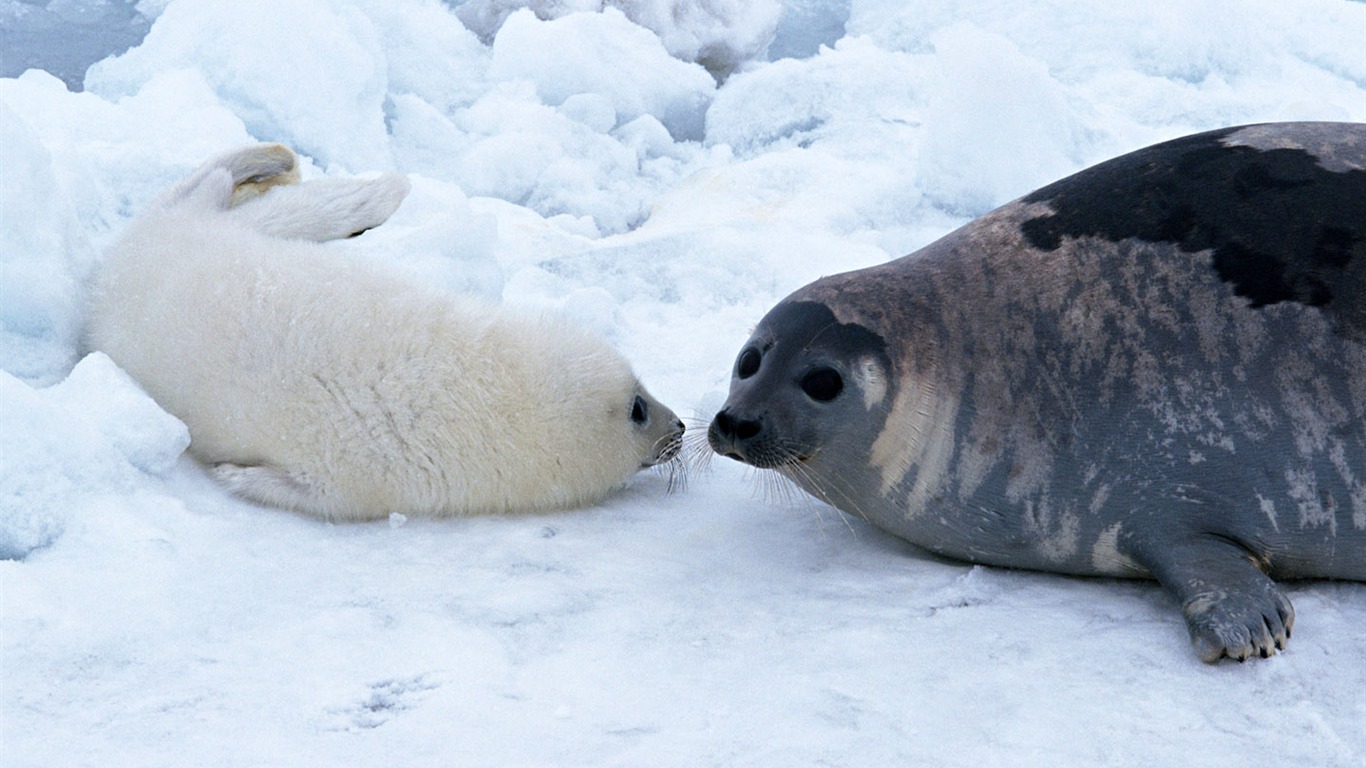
{"points": [[1237, 623], [1232, 608]]}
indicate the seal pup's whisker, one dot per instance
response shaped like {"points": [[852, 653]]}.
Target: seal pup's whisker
{"points": [[675, 472], [696, 453]]}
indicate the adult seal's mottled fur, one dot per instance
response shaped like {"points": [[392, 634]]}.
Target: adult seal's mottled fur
{"points": [[1153, 368], [311, 381]]}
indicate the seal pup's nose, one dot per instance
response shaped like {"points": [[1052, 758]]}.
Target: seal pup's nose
{"points": [[668, 446], [671, 445]]}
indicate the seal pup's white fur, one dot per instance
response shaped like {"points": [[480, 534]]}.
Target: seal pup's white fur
{"points": [[313, 382]]}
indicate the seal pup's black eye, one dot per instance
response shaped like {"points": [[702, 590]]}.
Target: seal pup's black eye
{"points": [[823, 384], [639, 411], [748, 364]]}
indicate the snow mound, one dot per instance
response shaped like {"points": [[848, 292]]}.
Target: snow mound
{"points": [[94, 433], [998, 124], [44, 258], [310, 73]]}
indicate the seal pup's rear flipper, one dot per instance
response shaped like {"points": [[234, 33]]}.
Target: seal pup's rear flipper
{"points": [[234, 177], [325, 209], [259, 169], [237, 183], [1232, 607]]}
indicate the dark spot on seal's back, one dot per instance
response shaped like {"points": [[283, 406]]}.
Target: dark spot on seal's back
{"points": [[1282, 227]]}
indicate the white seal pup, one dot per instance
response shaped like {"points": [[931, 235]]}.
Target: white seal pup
{"points": [[1153, 368], [313, 382]]}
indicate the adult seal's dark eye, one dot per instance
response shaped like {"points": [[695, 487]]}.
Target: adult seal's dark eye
{"points": [[640, 412], [823, 384], [748, 364]]}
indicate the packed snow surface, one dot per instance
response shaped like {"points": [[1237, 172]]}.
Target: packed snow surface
{"points": [[660, 172]]}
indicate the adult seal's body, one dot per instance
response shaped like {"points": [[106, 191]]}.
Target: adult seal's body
{"points": [[311, 381], [1153, 368]]}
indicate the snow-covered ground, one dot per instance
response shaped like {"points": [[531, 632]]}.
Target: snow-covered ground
{"points": [[588, 162]]}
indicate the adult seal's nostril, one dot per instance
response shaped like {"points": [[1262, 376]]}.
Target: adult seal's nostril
{"points": [[726, 426], [1152, 368], [723, 425], [747, 429], [742, 439]]}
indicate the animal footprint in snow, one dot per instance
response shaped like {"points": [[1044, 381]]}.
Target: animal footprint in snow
{"points": [[386, 699]]}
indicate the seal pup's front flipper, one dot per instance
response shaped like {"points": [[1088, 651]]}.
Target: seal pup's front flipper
{"points": [[1232, 607], [271, 487]]}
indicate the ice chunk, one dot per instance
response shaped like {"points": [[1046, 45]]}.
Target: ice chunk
{"points": [[44, 259], [591, 53], [309, 73], [721, 35]]}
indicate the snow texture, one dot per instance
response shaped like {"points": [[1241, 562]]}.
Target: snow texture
{"points": [[660, 172]]}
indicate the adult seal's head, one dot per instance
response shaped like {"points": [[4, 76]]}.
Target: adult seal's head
{"points": [[1154, 368], [803, 379]]}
